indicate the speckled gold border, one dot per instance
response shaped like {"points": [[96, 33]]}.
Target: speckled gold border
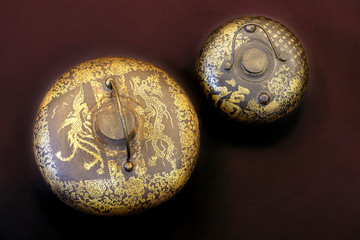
{"points": [[117, 195], [287, 84]]}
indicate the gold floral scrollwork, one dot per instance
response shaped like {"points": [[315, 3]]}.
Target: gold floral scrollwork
{"points": [[116, 192]]}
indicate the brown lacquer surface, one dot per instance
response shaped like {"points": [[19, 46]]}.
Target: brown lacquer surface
{"points": [[80, 148], [248, 58]]}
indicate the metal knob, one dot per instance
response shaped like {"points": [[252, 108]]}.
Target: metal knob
{"points": [[255, 61]]}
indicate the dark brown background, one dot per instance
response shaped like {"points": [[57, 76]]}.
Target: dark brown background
{"points": [[296, 179]]}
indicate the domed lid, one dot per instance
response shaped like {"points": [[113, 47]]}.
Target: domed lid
{"points": [[253, 69], [115, 136]]}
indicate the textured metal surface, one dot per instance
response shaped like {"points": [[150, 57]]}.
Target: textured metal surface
{"points": [[111, 85], [253, 69], [85, 165]]}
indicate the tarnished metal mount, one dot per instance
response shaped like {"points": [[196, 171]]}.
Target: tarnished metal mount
{"points": [[110, 84], [253, 69], [115, 136], [255, 61]]}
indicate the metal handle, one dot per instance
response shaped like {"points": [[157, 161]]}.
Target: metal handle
{"points": [[110, 84], [250, 28]]}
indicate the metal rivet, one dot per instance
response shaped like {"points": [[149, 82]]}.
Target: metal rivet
{"points": [[264, 98], [108, 83], [227, 65], [250, 28], [128, 166]]}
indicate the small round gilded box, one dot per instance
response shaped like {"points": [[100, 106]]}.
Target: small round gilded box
{"points": [[253, 69], [115, 136]]}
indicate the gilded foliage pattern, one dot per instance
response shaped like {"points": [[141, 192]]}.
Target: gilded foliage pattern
{"points": [[234, 98], [120, 194]]}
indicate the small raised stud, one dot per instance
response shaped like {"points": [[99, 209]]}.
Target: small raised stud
{"points": [[108, 83], [227, 65], [128, 166], [250, 28], [264, 98]]}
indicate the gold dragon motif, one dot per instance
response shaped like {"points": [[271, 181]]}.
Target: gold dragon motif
{"points": [[120, 194], [148, 89], [80, 133]]}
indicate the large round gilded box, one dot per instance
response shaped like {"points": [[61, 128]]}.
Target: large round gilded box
{"points": [[80, 144], [253, 69]]}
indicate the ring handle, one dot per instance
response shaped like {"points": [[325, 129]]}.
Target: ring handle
{"points": [[110, 84], [250, 28]]}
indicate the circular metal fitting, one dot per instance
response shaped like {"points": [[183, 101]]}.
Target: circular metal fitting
{"points": [[264, 98], [80, 142], [250, 28], [253, 69], [109, 125], [128, 166], [255, 60]]}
